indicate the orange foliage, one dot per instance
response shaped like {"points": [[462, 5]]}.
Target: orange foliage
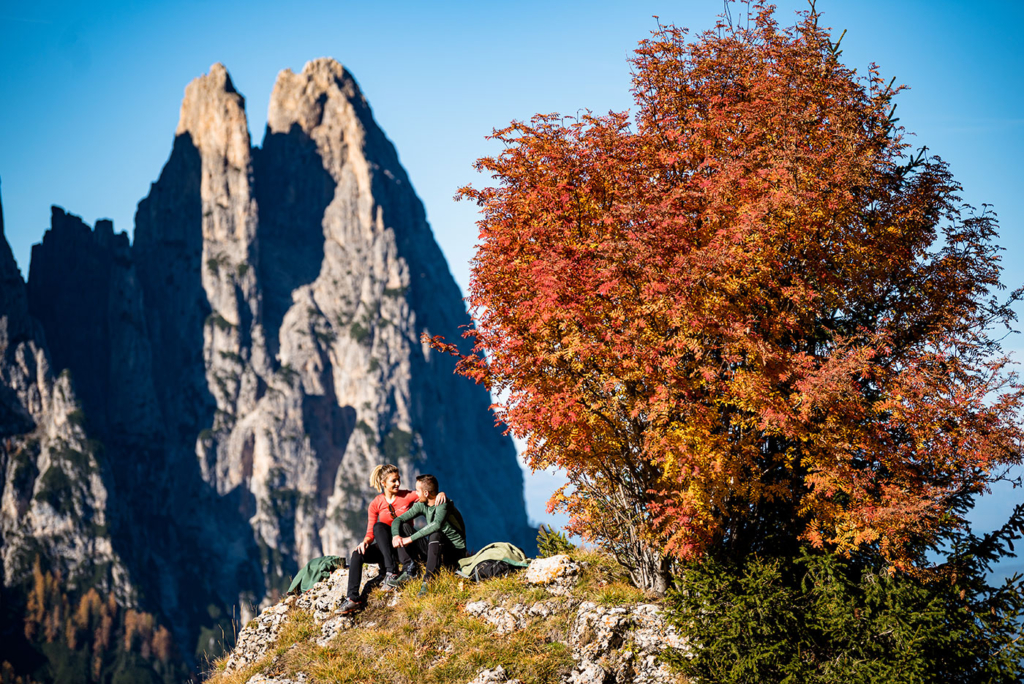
{"points": [[746, 317], [46, 605], [8, 676], [162, 644], [138, 632], [94, 623]]}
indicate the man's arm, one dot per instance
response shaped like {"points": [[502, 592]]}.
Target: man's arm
{"points": [[414, 510], [440, 511]]}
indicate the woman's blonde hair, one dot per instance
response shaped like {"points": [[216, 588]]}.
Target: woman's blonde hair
{"points": [[378, 475]]}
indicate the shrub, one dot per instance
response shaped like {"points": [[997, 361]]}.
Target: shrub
{"points": [[551, 542], [56, 490], [823, 618], [359, 333], [219, 321], [397, 445]]}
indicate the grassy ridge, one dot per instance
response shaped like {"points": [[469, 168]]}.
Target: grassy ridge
{"points": [[432, 640]]}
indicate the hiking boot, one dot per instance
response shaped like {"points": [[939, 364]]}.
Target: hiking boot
{"points": [[404, 578], [351, 606], [423, 590], [392, 581]]}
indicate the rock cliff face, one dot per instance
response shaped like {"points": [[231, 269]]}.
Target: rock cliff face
{"points": [[243, 365], [54, 497]]}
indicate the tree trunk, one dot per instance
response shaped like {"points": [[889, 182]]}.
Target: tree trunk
{"points": [[649, 569]]}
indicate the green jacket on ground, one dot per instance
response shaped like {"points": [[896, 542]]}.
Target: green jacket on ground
{"points": [[498, 551], [314, 571], [444, 517]]}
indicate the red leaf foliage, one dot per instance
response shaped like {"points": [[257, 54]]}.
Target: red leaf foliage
{"points": [[748, 314]]}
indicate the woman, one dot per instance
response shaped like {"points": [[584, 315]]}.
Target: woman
{"points": [[376, 546]]}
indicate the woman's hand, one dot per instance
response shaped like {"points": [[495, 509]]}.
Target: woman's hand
{"points": [[441, 498], [362, 547]]}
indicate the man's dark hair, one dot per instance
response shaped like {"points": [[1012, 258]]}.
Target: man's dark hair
{"points": [[430, 482]]}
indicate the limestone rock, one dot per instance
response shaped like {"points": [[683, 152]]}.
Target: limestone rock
{"points": [[53, 496], [323, 600], [263, 679], [83, 289], [314, 273], [15, 327], [558, 574], [515, 617], [495, 675], [614, 645], [258, 635]]}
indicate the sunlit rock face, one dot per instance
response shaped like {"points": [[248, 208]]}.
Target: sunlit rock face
{"points": [[317, 273], [248, 360]]}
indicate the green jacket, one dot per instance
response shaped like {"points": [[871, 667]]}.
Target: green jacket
{"points": [[444, 517], [499, 551], [314, 571]]}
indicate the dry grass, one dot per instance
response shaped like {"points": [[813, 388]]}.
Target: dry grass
{"points": [[298, 628], [240, 676], [605, 582], [408, 651], [431, 640]]}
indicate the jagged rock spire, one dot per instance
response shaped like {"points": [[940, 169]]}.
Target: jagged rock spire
{"points": [[250, 357]]}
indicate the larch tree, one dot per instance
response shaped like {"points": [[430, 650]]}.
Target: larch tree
{"points": [[747, 317]]}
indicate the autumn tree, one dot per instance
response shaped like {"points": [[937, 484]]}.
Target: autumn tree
{"points": [[748, 317], [94, 642]]}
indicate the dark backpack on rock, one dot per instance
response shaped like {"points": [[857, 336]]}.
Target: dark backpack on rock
{"points": [[494, 560], [492, 568]]}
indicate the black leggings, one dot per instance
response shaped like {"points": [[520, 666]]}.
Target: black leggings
{"points": [[381, 553], [440, 552]]}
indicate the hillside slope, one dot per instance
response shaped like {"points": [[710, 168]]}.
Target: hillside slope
{"points": [[571, 619]]}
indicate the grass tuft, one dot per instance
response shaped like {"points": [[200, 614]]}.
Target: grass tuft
{"points": [[605, 582]]}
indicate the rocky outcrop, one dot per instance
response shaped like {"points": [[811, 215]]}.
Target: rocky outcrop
{"points": [[243, 365], [621, 644], [609, 644], [84, 289]]}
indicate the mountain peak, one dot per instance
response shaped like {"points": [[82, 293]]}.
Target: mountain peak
{"points": [[309, 99], [213, 113]]}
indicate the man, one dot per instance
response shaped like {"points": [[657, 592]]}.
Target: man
{"points": [[442, 539]]}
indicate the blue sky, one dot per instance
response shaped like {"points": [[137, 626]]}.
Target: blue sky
{"points": [[90, 95]]}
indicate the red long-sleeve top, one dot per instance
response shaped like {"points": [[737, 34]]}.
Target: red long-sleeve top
{"points": [[379, 511]]}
